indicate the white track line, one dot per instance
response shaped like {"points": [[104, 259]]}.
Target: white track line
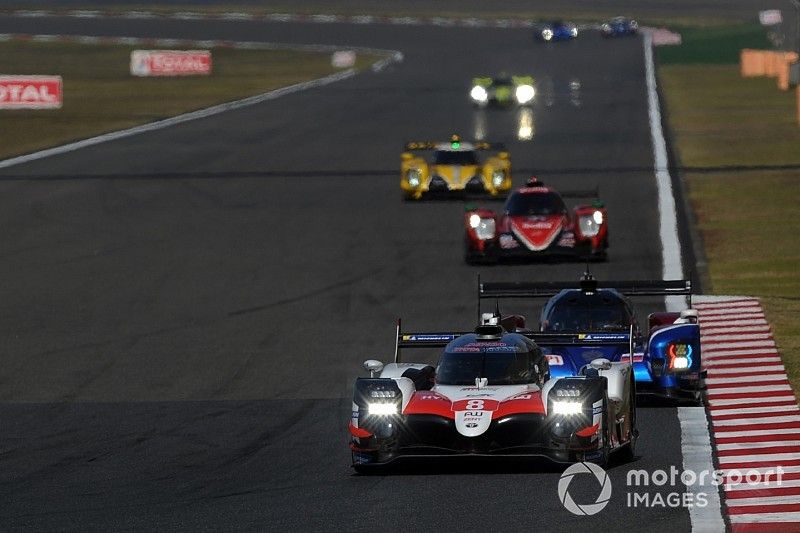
{"points": [[773, 457], [763, 411], [695, 437], [741, 329], [776, 376], [756, 445], [697, 457], [732, 323], [668, 221], [746, 336], [721, 426], [765, 518], [720, 434], [726, 363], [749, 390], [749, 401]]}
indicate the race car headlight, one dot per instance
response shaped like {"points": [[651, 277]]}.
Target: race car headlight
{"points": [[588, 225], [574, 31], [414, 177], [680, 356], [498, 177], [524, 94], [478, 94], [547, 34], [382, 409], [483, 227], [597, 216], [567, 408]]}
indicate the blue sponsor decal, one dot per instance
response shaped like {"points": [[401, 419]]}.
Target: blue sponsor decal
{"points": [[622, 337], [502, 349], [429, 338]]}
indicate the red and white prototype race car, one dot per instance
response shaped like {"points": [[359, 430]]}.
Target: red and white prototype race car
{"points": [[491, 394], [536, 223]]}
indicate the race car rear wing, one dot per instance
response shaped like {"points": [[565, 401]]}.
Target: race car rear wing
{"points": [[486, 81], [440, 339], [546, 289], [418, 146]]}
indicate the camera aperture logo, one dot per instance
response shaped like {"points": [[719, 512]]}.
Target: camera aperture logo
{"points": [[689, 488], [586, 509]]}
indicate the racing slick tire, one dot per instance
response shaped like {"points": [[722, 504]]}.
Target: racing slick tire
{"points": [[628, 452], [605, 450], [473, 258]]}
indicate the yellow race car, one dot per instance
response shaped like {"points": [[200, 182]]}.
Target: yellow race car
{"points": [[455, 170]]}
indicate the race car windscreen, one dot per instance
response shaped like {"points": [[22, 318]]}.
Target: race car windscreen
{"points": [[588, 313], [515, 368], [446, 157], [530, 204]]}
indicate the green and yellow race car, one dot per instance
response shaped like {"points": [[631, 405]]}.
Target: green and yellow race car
{"points": [[502, 90], [455, 170]]}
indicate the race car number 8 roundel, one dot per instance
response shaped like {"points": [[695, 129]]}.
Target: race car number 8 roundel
{"points": [[475, 404]]}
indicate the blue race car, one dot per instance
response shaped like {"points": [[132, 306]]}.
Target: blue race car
{"points": [[555, 31], [619, 27], [588, 320]]}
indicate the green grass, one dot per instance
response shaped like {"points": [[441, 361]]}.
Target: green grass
{"points": [[707, 45], [748, 216], [721, 118], [100, 95]]}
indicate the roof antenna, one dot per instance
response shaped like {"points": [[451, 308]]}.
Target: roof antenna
{"points": [[479, 298], [497, 309], [397, 343]]}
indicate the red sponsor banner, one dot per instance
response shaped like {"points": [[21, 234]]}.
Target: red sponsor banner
{"points": [[171, 62], [31, 92]]}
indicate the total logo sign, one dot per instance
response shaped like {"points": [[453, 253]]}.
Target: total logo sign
{"points": [[31, 92], [170, 62]]}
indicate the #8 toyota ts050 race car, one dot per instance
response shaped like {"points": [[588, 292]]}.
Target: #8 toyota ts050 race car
{"points": [[491, 394], [536, 223], [666, 357], [502, 90], [455, 170]]}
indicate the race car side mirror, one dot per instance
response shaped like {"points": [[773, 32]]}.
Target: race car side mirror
{"points": [[600, 364], [406, 156], [373, 366]]}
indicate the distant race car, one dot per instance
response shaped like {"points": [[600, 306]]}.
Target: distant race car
{"points": [[666, 357], [555, 31], [491, 394], [454, 170], [502, 90], [536, 223], [619, 27]]}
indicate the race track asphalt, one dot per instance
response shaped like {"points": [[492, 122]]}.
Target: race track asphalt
{"points": [[184, 311]]}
